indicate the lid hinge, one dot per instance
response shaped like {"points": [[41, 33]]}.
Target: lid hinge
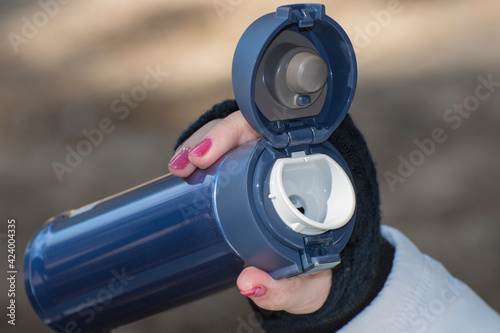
{"points": [[319, 254], [300, 136]]}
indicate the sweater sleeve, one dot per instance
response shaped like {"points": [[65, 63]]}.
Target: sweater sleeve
{"points": [[420, 295]]}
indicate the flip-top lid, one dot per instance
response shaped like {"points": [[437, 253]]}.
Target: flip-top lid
{"points": [[294, 75]]}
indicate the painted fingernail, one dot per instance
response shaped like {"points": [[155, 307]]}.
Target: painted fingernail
{"points": [[201, 148], [258, 291], [180, 161]]}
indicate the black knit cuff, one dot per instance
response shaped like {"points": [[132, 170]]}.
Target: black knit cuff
{"points": [[333, 315]]}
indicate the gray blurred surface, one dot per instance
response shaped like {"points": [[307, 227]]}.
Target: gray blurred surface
{"points": [[414, 65]]}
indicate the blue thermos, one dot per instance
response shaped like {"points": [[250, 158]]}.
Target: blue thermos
{"points": [[284, 203]]}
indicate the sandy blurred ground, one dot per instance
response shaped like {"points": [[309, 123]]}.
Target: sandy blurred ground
{"points": [[415, 63]]}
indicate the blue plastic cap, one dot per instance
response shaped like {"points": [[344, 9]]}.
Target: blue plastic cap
{"points": [[260, 83]]}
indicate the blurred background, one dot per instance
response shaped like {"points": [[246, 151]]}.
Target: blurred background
{"points": [[62, 66]]}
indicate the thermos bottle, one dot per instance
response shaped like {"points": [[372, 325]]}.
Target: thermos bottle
{"points": [[284, 203]]}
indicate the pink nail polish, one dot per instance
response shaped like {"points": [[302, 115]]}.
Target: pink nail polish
{"points": [[201, 148], [181, 160], [258, 291]]}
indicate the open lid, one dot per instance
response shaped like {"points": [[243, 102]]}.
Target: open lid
{"points": [[294, 75]]}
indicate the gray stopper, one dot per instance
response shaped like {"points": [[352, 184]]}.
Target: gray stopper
{"points": [[306, 73]]}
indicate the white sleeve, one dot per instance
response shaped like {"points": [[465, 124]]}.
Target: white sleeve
{"points": [[420, 295]]}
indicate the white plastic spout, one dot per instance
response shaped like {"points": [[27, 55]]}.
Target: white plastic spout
{"points": [[311, 193]]}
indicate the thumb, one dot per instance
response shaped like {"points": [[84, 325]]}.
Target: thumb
{"points": [[299, 295]]}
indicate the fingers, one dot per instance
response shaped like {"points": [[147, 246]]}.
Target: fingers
{"points": [[299, 295], [211, 142], [179, 165]]}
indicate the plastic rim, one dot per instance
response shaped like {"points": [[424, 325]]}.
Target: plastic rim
{"points": [[311, 193]]}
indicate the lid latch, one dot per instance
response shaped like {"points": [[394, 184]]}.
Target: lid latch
{"points": [[304, 14], [304, 17], [319, 253]]}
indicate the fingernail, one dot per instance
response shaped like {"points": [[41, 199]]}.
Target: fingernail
{"points": [[181, 160], [258, 291], [201, 148]]}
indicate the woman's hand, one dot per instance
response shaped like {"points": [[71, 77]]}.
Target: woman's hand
{"points": [[210, 142], [295, 295]]}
